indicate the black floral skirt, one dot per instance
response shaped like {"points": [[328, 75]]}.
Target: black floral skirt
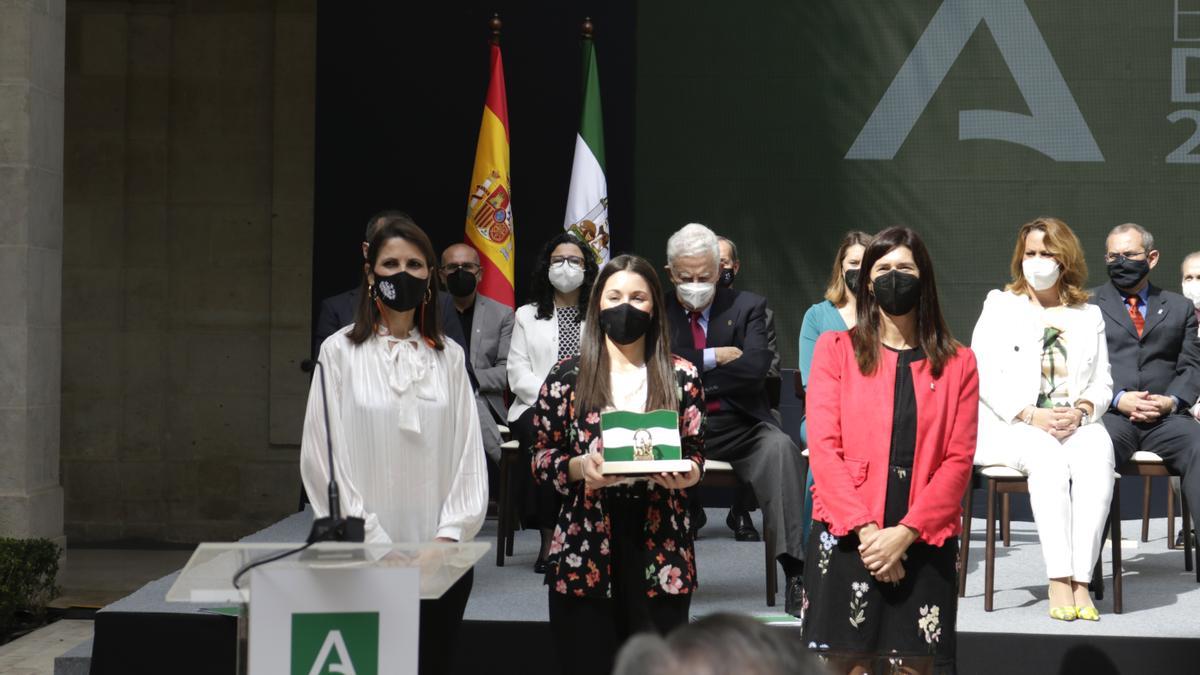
{"points": [[846, 612]]}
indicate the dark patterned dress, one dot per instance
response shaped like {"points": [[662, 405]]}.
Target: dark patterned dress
{"points": [[568, 331], [845, 611], [580, 559]]}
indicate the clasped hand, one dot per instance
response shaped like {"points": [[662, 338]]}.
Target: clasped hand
{"points": [[1142, 406], [884, 550], [1060, 421]]}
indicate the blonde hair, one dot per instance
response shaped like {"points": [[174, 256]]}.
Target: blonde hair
{"points": [[836, 291], [1062, 243]]}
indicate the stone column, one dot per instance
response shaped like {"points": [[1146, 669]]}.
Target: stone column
{"points": [[32, 62]]}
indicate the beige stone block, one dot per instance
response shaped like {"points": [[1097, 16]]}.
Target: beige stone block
{"points": [[14, 366], [223, 299], [183, 482], [95, 167], [143, 427], [275, 483], [103, 39], [233, 363], [213, 427], [241, 237], [14, 206], [45, 208], [48, 50], [146, 228], [33, 514], [14, 434], [287, 419], [15, 52], [91, 426], [14, 285], [46, 131], [145, 295], [143, 480], [44, 291], [42, 443], [92, 298], [143, 510], [147, 169], [205, 165], [220, 480], [91, 361], [150, 28], [14, 124]]}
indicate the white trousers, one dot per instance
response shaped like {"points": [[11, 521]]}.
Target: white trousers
{"points": [[1070, 489]]}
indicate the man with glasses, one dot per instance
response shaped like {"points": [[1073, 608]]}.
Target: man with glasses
{"points": [[1154, 353], [487, 328]]}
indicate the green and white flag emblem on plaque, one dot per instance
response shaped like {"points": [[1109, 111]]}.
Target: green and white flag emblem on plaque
{"points": [[636, 443]]}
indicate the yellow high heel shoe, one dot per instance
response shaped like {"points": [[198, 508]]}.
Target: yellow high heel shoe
{"points": [[1087, 613], [1067, 613]]}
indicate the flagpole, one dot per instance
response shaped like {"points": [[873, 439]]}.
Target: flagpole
{"points": [[587, 28], [495, 24]]}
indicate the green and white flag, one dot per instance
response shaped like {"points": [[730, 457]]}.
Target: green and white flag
{"points": [[641, 442], [587, 199]]}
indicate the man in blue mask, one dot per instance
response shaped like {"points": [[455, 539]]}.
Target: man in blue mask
{"points": [[1155, 357]]}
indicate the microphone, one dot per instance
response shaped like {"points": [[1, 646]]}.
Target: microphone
{"points": [[333, 527]]}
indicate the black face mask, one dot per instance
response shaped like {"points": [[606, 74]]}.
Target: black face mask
{"points": [[851, 278], [400, 291], [460, 283], [726, 278], [624, 324], [1126, 273], [897, 292]]}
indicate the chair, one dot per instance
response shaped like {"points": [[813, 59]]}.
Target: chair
{"points": [[1000, 482], [721, 474], [1170, 510], [1147, 465], [510, 458]]}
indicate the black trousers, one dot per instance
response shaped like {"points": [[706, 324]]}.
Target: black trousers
{"points": [[539, 504], [1175, 438], [440, 623], [766, 458], [588, 632]]}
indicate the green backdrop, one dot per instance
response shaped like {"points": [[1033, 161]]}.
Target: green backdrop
{"points": [[746, 115]]}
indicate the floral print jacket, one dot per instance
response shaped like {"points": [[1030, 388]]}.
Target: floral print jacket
{"points": [[580, 562]]}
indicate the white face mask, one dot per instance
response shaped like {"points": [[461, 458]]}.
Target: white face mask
{"points": [[695, 295], [1191, 291], [1040, 273], [566, 278]]}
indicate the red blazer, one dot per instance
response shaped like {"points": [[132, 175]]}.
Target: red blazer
{"points": [[849, 439]]}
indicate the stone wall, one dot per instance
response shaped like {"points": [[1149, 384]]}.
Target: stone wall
{"points": [[187, 235], [31, 258]]}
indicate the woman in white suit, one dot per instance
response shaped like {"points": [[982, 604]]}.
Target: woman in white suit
{"points": [[545, 332], [1044, 382]]}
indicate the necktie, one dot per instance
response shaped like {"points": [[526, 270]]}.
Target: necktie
{"points": [[699, 341], [1139, 322]]}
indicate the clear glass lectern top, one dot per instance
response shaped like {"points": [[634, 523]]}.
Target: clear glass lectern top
{"points": [[208, 576]]}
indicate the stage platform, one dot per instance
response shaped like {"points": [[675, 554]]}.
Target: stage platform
{"points": [[1158, 632]]}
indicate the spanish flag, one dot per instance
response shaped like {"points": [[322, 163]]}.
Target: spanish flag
{"points": [[489, 208]]}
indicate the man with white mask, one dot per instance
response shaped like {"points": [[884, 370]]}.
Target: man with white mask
{"points": [[723, 332]]}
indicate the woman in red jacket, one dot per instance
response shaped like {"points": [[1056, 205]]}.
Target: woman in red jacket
{"points": [[892, 412]]}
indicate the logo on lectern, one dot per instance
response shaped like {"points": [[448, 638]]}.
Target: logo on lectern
{"points": [[335, 644]]}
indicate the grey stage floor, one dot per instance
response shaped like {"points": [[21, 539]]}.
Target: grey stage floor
{"points": [[1161, 599]]}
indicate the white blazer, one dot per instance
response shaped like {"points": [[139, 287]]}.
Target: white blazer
{"points": [[1008, 349], [533, 351]]}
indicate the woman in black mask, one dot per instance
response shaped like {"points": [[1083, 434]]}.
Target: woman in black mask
{"points": [[622, 559], [893, 406], [402, 418]]}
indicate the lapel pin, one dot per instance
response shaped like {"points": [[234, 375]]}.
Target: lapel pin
{"points": [[1160, 311], [730, 322], [932, 386]]}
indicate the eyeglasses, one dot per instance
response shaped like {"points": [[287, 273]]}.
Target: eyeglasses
{"points": [[570, 260], [469, 268], [1114, 257]]}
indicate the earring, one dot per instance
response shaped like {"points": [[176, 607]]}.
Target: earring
{"points": [[428, 294]]}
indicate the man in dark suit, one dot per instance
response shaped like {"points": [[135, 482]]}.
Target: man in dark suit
{"points": [[1155, 358], [723, 332], [487, 326]]}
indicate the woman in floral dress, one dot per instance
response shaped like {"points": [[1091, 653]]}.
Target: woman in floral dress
{"points": [[622, 559], [892, 414]]}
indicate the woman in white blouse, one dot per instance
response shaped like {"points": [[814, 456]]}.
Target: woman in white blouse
{"points": [[406, 438], [1044, 382], [545, 332]]}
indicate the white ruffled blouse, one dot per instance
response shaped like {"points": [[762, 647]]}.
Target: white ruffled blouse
{"points": [[406, 439]]}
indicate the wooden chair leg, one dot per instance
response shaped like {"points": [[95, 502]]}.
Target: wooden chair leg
{"points": [[964, 547], [989, 550], [1005, 522], [1170, 514], [1145, 509], [1114, 520]]}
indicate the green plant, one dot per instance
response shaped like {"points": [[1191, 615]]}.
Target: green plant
{"points": [[28, 569]]}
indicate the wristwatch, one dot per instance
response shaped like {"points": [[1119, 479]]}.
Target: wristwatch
{"points": [[1085, 414]]}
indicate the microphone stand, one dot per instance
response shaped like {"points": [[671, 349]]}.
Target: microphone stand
{"points": [[334, 527]]}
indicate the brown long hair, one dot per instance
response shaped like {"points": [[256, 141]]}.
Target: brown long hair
{"points": [[1068, 252], [366, 316], [933, 334], [593, 389], [836, 291]]}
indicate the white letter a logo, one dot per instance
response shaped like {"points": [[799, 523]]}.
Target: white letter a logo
{"points": [[1055, 126], [333, 642]]}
